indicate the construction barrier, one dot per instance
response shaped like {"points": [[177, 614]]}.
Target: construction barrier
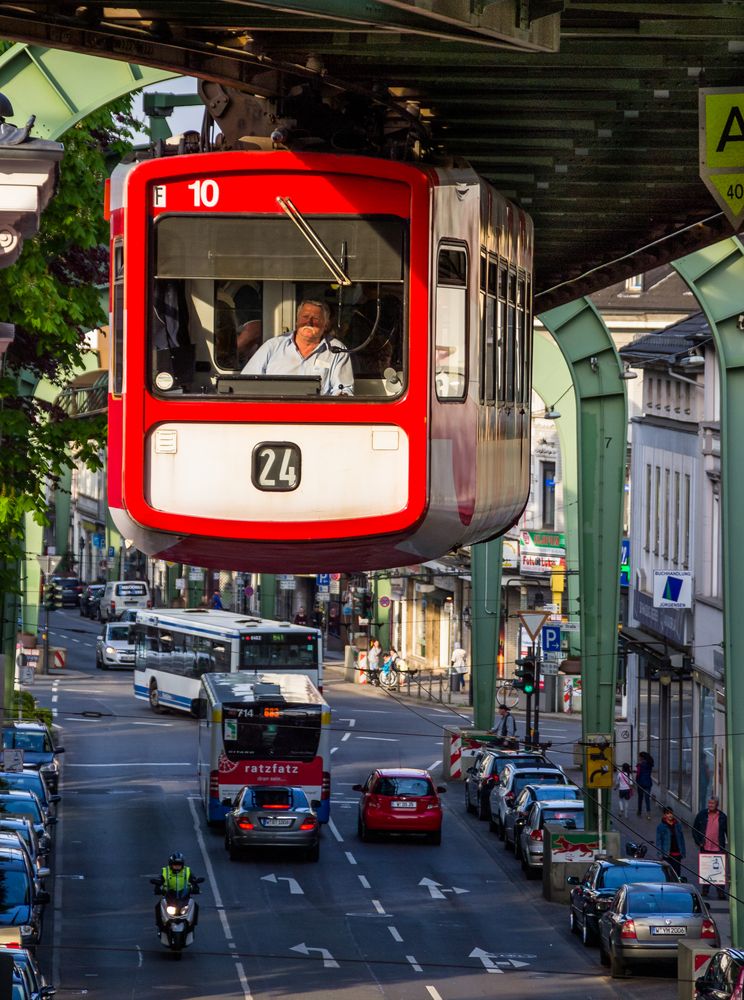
{"points": [[455, 768], [57, 657]]}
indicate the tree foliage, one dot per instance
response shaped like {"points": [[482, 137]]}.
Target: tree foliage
{"points": [[54, 295]]}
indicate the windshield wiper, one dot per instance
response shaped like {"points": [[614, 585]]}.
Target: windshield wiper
{"points": [[337, 272]]}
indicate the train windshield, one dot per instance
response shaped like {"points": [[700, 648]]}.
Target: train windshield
{"points": [[247, 307]]}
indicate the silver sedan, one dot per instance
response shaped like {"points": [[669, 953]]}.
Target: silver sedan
{"points": [[278, 816], [647, 920]]}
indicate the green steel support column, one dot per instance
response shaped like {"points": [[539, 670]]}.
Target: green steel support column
{"points": [[716, 276], [486, 559], [602, 427], [268, 595], [61, 88], [551, 380], [382, 613]]}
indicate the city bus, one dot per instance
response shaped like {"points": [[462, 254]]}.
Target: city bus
{"points": [[262, 729], [175, 648]]}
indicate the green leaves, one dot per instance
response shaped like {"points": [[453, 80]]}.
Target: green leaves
{"points": [[53, 295]]}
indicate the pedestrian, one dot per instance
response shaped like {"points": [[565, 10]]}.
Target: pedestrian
{"points": [[710, 833], [301, 617], [373, 661], [644, 781], [459, 668], [216, 601], [624, 785], [670, 840], [505, 729]]}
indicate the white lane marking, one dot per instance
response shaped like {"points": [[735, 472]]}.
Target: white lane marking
{"points": [[80, 718], [364, 881], [395, 934], [139, 957], [374, 711], [378, 739], [352, 722], [329, 962], [58, 893], [378, 906], [217, 897], [152, 724], [295, 889], [345, 737], [334, 830], [434, 764], [350, 858], [334, 749], [433, 993], [414, 964]]}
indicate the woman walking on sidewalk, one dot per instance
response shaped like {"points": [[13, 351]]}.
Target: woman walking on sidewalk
{"points": [[644, 781], [624, 785]]}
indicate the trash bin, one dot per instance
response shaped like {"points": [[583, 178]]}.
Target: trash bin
{"points": [[454, 684]]}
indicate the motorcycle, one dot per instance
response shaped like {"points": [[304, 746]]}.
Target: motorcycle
{"points": [[177, 915]]}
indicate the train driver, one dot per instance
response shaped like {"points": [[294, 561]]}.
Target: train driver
{"points": [[308, 350]]}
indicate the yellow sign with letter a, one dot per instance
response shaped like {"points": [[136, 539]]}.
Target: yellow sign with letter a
{"points": [[722, 149]]}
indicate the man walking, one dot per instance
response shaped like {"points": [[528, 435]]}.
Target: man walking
{"points": [[506, 729], [670, 840], [710, 833]]}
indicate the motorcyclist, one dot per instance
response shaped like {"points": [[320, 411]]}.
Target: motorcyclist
{"points": [[176, 877]]}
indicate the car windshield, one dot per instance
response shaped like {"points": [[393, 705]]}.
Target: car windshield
{"points": [[30, 780], [416, 787], [19, 740], [556, 792], [279, 798], [568, 818], [675, 903], [20, 807], [619, 875], [520, 780], [119, 633], [14, 889]]}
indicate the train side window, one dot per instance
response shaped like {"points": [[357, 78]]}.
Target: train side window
{"points": [[117, 321], [450, 331], [520, 374], [489, 331], [511, 338], [502, 333]]}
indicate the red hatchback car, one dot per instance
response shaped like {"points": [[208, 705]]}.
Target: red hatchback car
{"points": [[400, 800]]}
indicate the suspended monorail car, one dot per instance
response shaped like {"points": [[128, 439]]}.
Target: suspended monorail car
{"points": [[425, 276]]}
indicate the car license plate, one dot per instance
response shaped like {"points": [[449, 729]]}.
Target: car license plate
{"points": [[273, 821], [403, 805], [669, 930]]}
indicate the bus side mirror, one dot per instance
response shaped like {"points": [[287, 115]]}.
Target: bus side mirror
{"points": [[199, 708]]}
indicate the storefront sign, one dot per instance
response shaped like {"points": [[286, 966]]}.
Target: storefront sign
{"points": [[666, 622], [541, 552]]}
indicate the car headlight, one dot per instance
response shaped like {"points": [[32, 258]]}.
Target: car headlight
{"points": [[171, 910], [110, 650]]}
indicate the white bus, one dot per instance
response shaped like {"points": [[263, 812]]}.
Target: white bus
{"points": [[266, 729], [174, 648]]}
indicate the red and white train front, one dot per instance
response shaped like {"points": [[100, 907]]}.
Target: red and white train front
{"points": [[411, 449]]}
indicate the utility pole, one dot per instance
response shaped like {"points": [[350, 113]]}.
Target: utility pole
{"points": [[536, 657]]}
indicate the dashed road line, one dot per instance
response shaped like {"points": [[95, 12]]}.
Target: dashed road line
{"points": [[365, 882], [350, 858], [414, 964], [379, 907], [334, 830], [433, 993], [395, 935]]}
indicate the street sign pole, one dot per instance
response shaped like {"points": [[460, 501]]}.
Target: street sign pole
{"points": [[536, 647]]}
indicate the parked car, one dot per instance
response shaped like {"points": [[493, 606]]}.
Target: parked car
{"points": [[23, 803], [400, 800], [70, 589], [724, 977], [512, 780], [38, 847], [568, 814], [89, 600], [593, 893], [21, 897], [114, 646], [278, 816], [31, 781], [39, 748], [14, 839], [122, 594], [484, 772], [514, 819], [646, 921], [31, 974]]}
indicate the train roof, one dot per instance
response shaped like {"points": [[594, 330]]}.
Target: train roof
{"points": [[254, 685], [210, 621]]}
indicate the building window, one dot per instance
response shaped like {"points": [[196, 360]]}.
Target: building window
{"points": [[677, 517], [547, 477], [667, 502], [647, 533], [686, 531], [657, 509], [634, 285], [715, 543]]}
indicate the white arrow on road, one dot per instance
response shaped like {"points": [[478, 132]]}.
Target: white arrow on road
{"points": [[491, 961], [295, 889], [329, 962], [437, 890]]}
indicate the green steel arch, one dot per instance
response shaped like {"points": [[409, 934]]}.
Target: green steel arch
{"points": [[61, 88]]}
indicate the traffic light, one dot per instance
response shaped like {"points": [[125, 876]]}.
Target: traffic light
{"points": [[52, 595], [524, 675]]}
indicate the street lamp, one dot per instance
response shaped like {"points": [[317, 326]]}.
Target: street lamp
{"points": [[81, 543]]}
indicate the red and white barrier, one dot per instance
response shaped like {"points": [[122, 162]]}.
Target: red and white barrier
{"points": [[455, 768]]}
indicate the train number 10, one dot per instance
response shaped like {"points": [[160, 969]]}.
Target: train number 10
{"points": [[206, 193]]}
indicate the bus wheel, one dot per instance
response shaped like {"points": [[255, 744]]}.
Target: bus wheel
{"points": [[154, 697]]}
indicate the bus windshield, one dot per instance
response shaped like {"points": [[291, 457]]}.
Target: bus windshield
{"points": [[226, 288], [284, 651], [271, 731]]}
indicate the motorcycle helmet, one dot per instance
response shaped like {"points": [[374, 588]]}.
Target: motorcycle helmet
{"points": [[176, 861]]}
